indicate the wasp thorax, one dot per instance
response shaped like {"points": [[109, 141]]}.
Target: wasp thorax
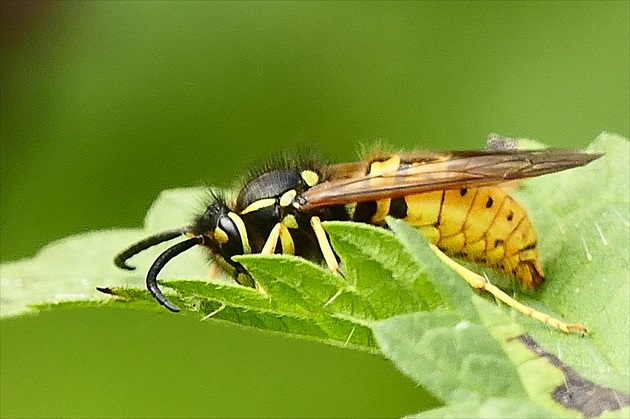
{"points": [[274, 184]]}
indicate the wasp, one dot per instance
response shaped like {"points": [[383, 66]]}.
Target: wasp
{"points": [[456, 199]]}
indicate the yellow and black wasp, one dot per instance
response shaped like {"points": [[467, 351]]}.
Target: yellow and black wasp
{"points": [[455, 198]]}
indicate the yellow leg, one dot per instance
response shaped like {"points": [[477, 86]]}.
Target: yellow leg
{"points": [[279, 231], [218, 310], [478, 282], [324, 245], [288, 246], [270, 245]]}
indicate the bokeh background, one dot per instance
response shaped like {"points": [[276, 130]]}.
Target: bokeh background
{"points": [[105, 104]]}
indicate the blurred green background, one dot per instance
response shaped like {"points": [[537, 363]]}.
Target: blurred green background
{"points": [[105, 104]]}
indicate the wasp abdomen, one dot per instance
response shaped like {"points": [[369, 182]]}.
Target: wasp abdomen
{"points": [[484, 225], [487, 226]]}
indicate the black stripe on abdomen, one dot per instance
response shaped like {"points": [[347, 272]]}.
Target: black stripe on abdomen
{"points": [[364, 211]]}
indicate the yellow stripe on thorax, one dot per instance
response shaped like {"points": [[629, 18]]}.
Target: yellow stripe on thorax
{"points": [[261, 203]]}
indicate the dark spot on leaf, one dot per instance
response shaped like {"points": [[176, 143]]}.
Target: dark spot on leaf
{"points": [[577, 392]]}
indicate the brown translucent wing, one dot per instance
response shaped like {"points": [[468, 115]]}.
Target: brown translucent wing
{"points": [[425, 172]]}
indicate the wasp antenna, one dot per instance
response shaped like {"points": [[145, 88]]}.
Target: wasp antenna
{"points": [[121, 259], [160, 262]]}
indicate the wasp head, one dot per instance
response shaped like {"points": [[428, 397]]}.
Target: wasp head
{"points": [[223, 233]]}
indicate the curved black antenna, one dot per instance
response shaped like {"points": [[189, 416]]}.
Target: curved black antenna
{"points": [[160, 262], [121, 259]]}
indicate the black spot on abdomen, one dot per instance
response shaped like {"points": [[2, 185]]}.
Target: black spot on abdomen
{"points": [[398, 208]]}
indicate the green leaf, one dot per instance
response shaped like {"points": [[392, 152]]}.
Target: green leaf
{"points": [[71, 268], [591, 289], [490, 408], [372, 254], [466, 362], [583, 214], [395, 296], [335, 310]]}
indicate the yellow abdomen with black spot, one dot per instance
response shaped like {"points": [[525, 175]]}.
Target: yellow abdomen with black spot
{"points": [[484, 225]]}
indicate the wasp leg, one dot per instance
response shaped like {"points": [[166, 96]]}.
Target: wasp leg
{"points": [[478, 282], [324, 245], [218, 310], [270, 245]]}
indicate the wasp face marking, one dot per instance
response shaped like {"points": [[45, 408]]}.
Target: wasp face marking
{"points": [[221, 236], [224, 233]]}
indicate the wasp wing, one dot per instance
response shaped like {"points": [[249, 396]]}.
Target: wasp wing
{"points": [[424, 172]]}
